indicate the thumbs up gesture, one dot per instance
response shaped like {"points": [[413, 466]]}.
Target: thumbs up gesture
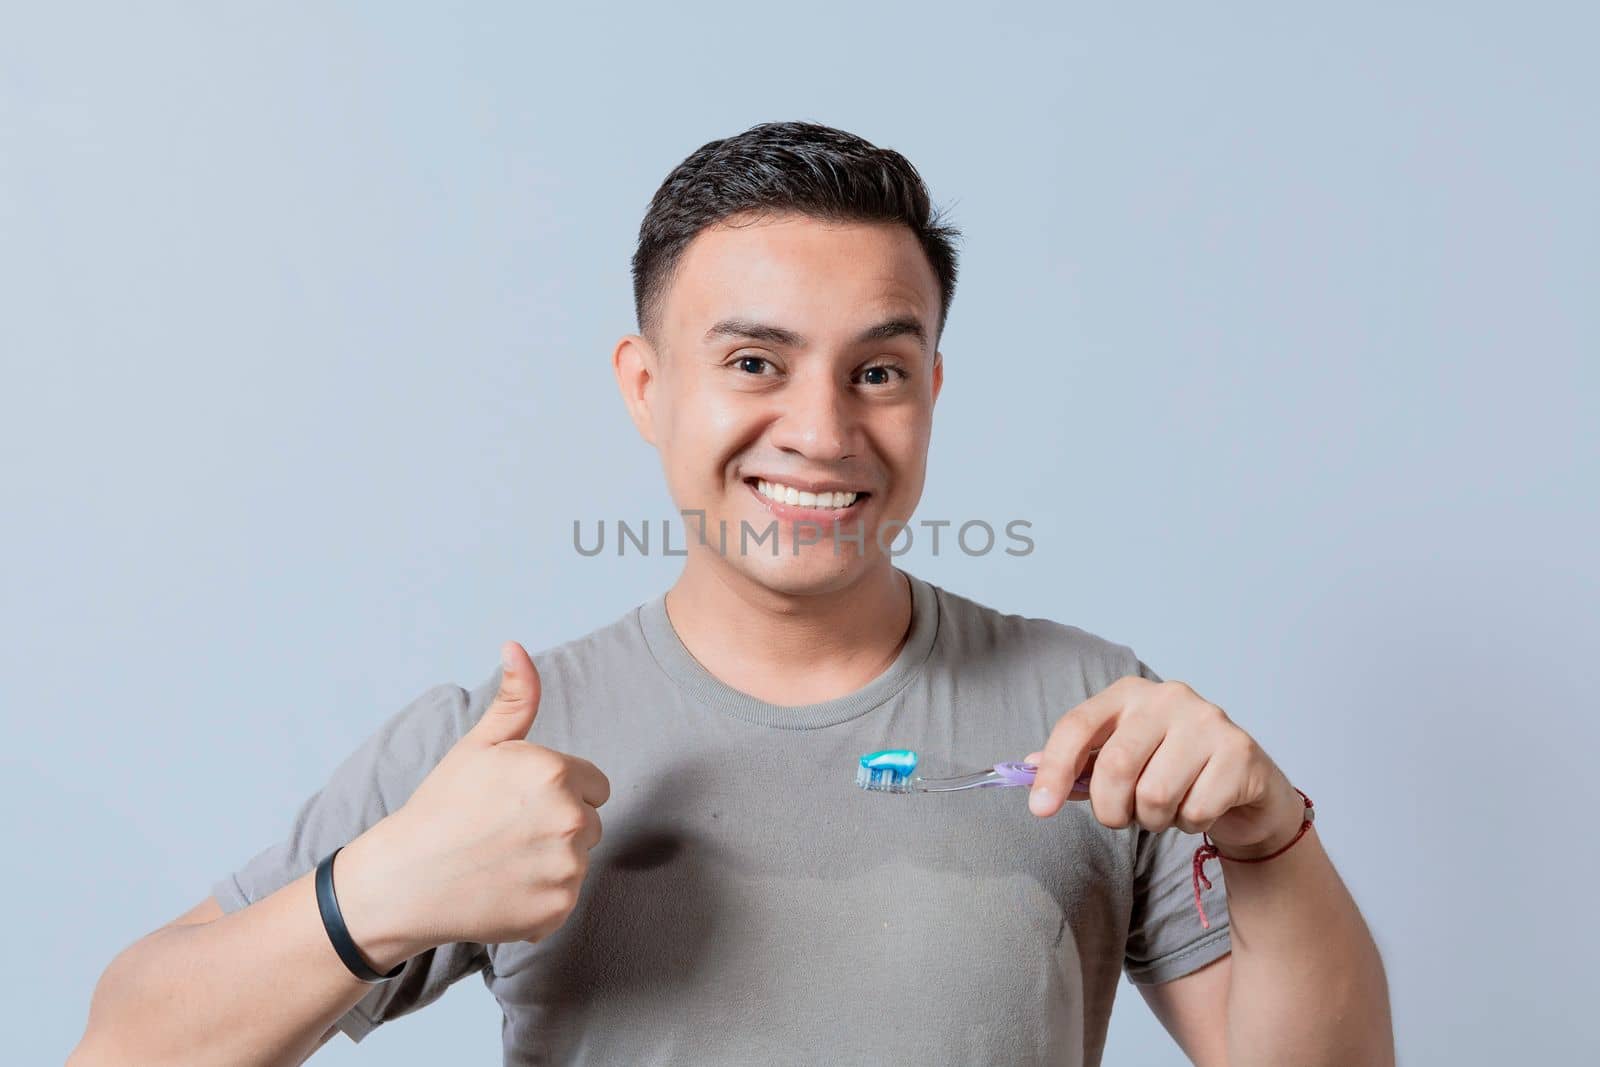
{"points": [[493, 845]]}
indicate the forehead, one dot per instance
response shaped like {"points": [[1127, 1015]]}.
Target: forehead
{"points": [[817, 276]]}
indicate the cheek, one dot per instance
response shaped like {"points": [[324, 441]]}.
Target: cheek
{"points": [[726, 418], [904, 442], [707, 429]]}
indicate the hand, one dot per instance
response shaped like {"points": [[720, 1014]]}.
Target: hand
{"points": [[492, 847], [1163, 757]]}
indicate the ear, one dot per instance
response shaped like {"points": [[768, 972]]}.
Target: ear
{"points": [[938, 374], [635, 362]]}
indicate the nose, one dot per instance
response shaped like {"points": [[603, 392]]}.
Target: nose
{"points": [[817, 420]]}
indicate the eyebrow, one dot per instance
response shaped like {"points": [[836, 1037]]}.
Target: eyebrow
{"points": [[899, 326]]}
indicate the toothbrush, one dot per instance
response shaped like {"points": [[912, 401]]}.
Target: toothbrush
{"points": [[890, 771]]}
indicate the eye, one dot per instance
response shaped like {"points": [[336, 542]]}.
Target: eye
{"points": [[879, 374], [744, 363]]}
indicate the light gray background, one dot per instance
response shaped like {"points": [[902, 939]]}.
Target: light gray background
{"points": [[1280, 329]]}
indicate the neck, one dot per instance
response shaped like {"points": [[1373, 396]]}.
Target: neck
{"points": [[791, 649]]}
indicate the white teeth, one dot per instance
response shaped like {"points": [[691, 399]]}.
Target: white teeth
{"points": [[785, 494]]}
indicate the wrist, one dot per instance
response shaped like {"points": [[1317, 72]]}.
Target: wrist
{"points": [[372, 900], [1292, 813], [1248, 856]]}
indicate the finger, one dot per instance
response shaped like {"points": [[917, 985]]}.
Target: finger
{"points": [[592, 831], [1080, 785], [1118, 767], [1066, 752], [1213, 794], [1166, 780], [510, 715], [592, 785]]}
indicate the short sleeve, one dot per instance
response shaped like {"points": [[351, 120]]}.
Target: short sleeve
{"points": [[1165, 938], [373, 781]]}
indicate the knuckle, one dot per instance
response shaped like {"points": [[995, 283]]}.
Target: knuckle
{"points": [[552, 905], [1241, 746], [558, 773], [1065, 725], [1177, 691], [543, 760], [1115, 762], [547, 923], [1153, 795], [1071, 732], [570, 824], [1110, 815]]}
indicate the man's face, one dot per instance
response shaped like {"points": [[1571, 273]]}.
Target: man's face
{"points": [[797, 353]]}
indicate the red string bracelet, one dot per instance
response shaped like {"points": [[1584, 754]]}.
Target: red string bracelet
{"points": [[1209, 851]]}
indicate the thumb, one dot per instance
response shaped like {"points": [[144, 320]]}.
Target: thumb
{"points": [[510, 715]]}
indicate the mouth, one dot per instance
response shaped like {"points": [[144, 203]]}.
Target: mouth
{"points": [[789, 501]]}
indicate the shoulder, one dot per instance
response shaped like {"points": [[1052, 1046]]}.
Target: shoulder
{"points": [[602, 653], [1059, 649], [595, 665]]}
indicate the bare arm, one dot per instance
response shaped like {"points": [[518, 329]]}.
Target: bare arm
{"points": [[1304, 983], [193, 990], [1194, 1010], [491, 847]]}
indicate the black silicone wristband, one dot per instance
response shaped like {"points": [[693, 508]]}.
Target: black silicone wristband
{"points": [[333, 922]]}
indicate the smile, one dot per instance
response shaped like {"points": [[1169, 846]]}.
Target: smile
{"points": [[828, 500]]}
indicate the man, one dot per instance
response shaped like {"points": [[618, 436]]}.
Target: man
{"points": [[748, 904]]}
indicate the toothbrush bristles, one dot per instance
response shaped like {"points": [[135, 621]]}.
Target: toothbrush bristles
{"points": [[883, 780]]}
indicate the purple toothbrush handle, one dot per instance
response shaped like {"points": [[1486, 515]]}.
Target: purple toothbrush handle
{"points": [[1022, 774]]}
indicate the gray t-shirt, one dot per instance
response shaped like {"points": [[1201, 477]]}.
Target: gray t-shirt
{"points": [[750, 904]]}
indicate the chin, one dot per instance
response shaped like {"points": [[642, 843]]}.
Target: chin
{"points": [[815, 570]]}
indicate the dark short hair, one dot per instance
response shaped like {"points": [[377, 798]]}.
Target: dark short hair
{"points": [[776, 168]]}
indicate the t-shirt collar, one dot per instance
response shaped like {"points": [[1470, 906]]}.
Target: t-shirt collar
{"points": [[707, 689]]}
